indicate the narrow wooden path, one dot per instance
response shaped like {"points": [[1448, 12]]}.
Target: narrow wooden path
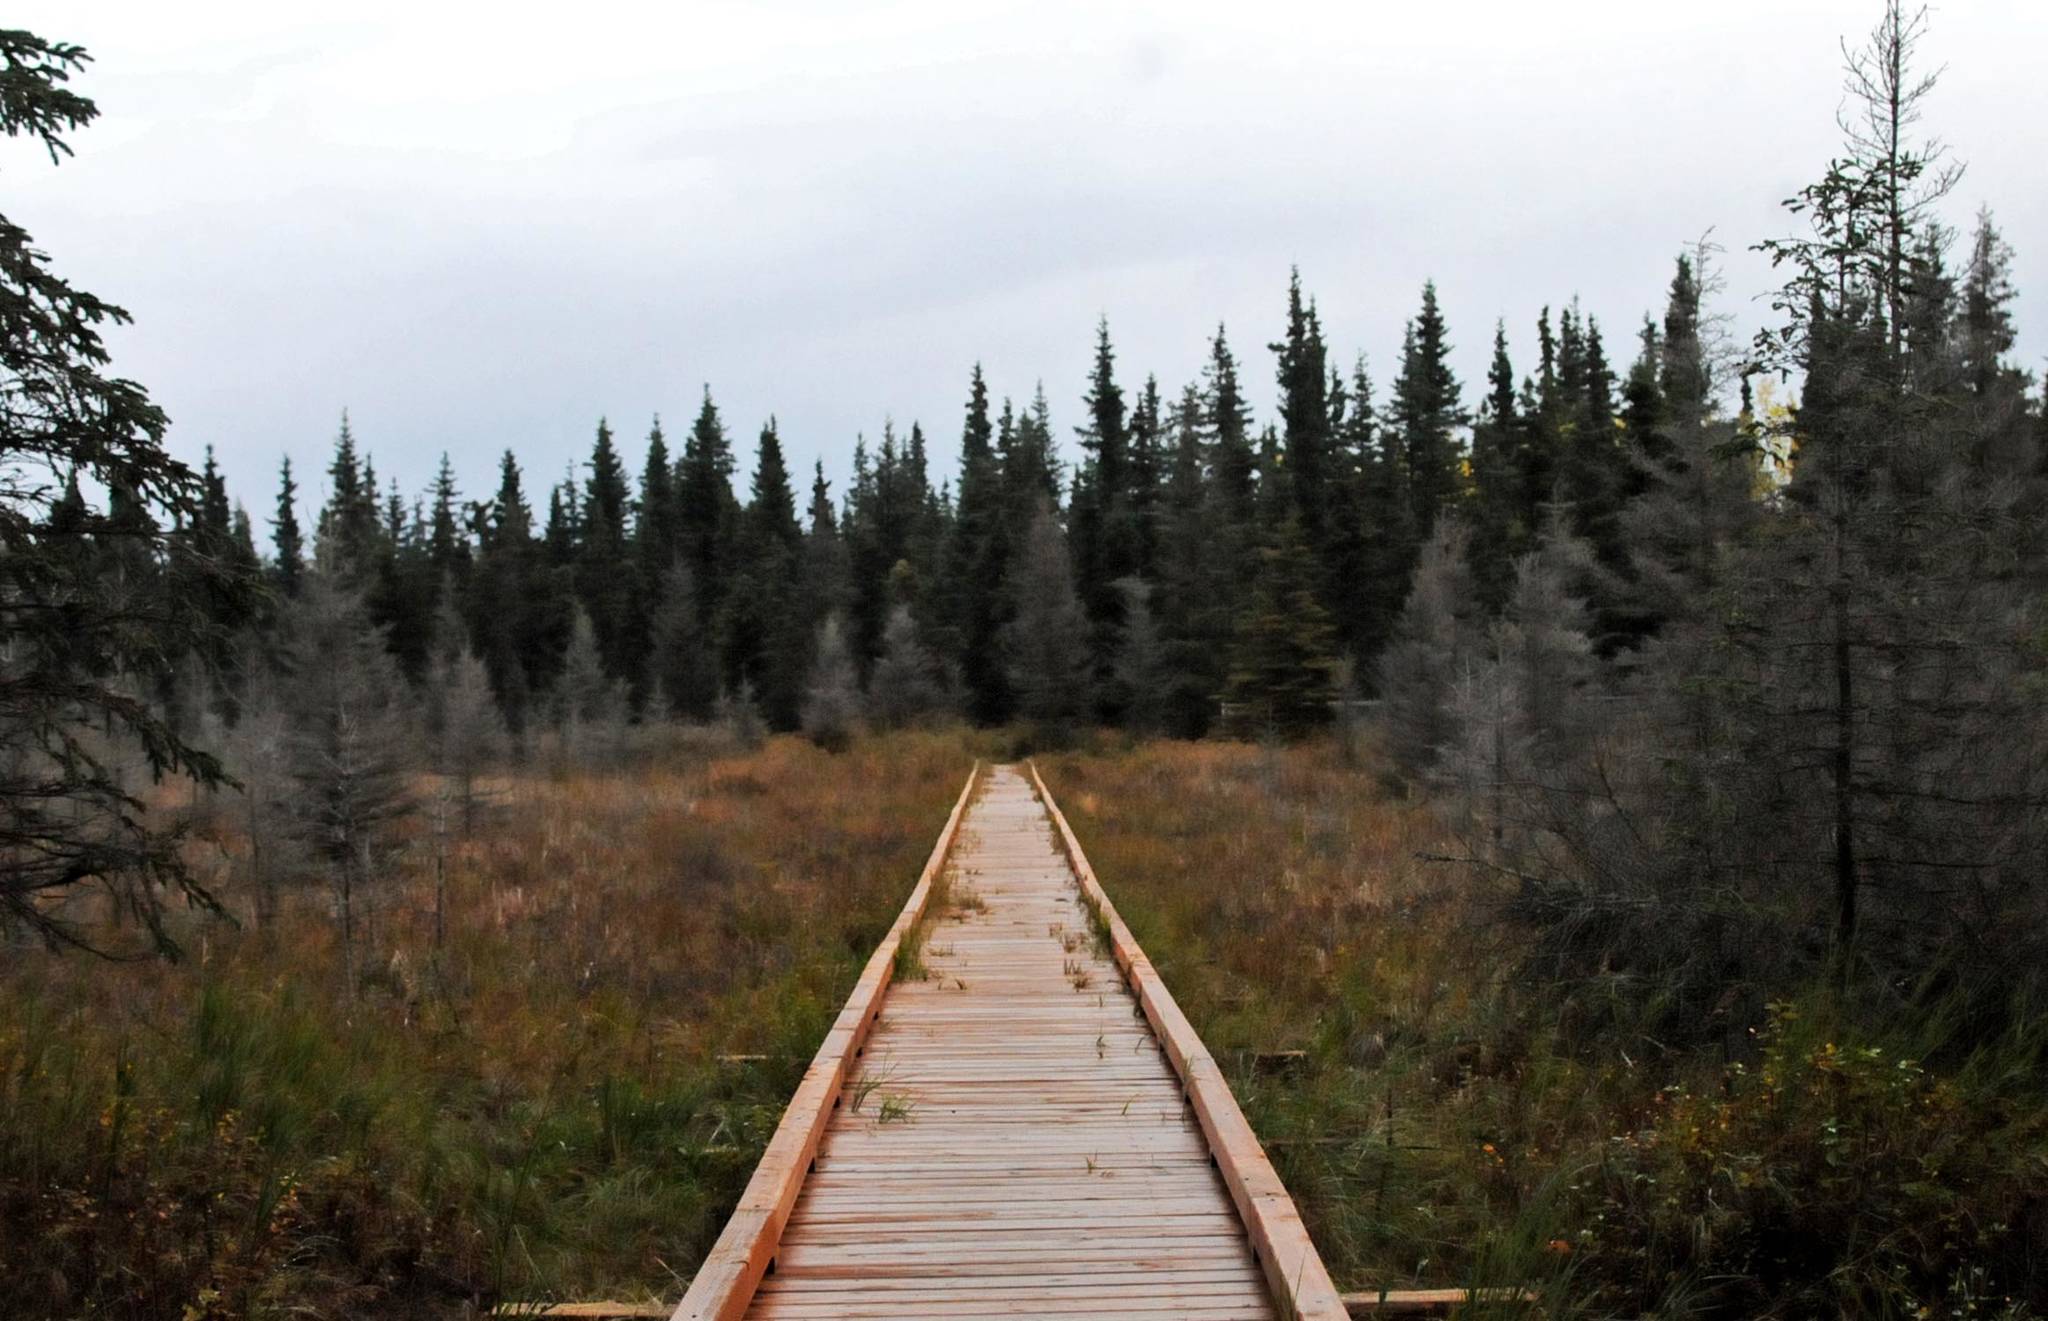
{"points": [[1022, 1123]]}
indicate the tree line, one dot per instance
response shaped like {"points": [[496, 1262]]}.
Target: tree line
{"points": [[1190, 562]]}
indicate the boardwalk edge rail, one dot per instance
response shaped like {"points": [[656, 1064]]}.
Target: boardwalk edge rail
{"points": [[732, 1271], [1294, 1271]]}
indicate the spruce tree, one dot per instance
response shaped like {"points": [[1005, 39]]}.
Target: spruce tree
{"points": [[1874, 648], [1646, 421], [603, 561], [1147, 459], [506, 609], [1103, 523], [1372, 551], [1303, 376], [81, 620], [832, 700], [976, 561], [472, 734], [1684, 381], [682, 671], [1541, 404], [1498, 531], [1197, 573], [401, 587], [705, 506], [448, 549], [764, 635], [826, 570], [289, 545], [1593, 471], [1426, 414], [348, 525], [905, 687], [1233, 463], [1105, 438], [351, 756], [1140, 669], [1437, 641], [1030, 465], [205, 577], [1046, 641], [1283, 659], [656, 532], [885, 512], [589, 705], [1990, 389]]}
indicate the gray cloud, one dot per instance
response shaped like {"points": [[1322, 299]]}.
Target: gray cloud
{"points": [[479, 233]]}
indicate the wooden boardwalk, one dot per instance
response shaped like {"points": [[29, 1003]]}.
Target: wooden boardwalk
{"points": [[1029, 1128]]}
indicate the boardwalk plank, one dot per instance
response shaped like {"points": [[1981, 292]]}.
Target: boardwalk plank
{"points": [[1023, 1146], [1007, 1136]]}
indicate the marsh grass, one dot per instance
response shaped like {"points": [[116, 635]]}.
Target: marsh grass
{"points": [[535, 1108], [1453, 1122]]}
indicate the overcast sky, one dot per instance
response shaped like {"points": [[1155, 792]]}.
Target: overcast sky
{"points": [[484, 226]]}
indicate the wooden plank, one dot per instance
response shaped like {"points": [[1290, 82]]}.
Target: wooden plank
{"points": [[1293, 1268], [1042, 1160], [1014, 1137], [725, 1283]]}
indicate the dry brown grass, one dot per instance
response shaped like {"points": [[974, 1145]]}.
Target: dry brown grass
{"points": [[564, 1100], [1451, 1121], [535, 1108]]}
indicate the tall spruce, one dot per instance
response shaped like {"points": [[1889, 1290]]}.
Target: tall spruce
{"points": [[1196, 577], [1283, 658], [505, 616], [764, 638], [1305, 439], [1500, 527], [448, 549], [705, 506], [288, 544], [1234, 462], [1372, 550], [1030, 464], [1103, 523], [81, 622], [826, 570], [1147, 459], [1426, 415], [351, 755], [1045, 643], [347, 529], [603, 562], [976, 564], [682, 678]]}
